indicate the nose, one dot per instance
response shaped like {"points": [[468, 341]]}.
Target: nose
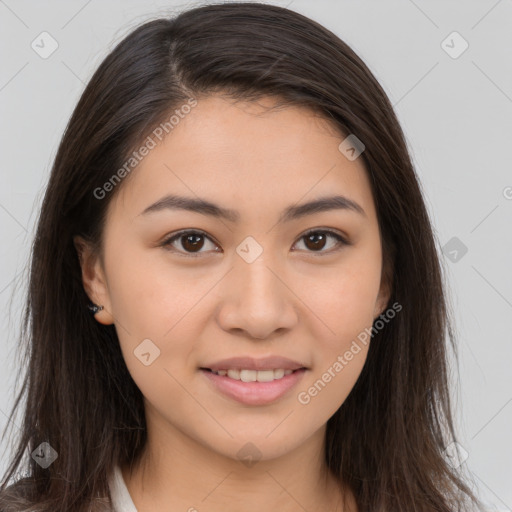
{"points": [[257, 300]]}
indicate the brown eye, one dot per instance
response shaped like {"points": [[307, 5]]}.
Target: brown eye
{"points": [[190, 243], [187, 242], [316, 241]]}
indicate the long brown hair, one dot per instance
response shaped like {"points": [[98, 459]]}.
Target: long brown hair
{"points": [[387, 439]]}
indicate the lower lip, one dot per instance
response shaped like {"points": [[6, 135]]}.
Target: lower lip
{"points": [[254, 393]]}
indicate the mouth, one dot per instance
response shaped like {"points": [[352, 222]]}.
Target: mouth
{"points": [[254, 387]]}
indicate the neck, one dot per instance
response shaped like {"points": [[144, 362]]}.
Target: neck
{"points": [[189, 476]]}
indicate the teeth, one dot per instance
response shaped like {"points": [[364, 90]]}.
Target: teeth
{"points": [[254, 375], [234, 374]]}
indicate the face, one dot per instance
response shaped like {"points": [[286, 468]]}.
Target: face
{"points": [[187, 289]]}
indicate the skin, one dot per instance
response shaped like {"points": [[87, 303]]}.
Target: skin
{"points": [[290, 301]]}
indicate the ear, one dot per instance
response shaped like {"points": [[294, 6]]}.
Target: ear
{"points": [[384, 294], [93, 279]]}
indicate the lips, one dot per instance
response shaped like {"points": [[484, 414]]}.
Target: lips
{"points": [[254, 393], [254, 381]]}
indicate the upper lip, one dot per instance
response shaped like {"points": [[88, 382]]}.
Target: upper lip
{"points": [[250, 363]]}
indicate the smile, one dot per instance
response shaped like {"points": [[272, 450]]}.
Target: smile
{"points": [[254, 375], [254, 387]]}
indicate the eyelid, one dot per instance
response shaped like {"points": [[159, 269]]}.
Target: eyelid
{"points": [[342, 240], [329, 231], [166, 242]]}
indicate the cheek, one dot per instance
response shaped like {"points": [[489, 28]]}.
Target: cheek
{"points": [[342, 336], [329, 386], [148, 294], [154, 315], [344, 301]]}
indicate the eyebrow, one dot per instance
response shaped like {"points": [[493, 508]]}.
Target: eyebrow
{"points": [[204, 207]]}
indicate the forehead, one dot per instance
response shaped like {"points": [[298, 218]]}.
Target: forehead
{"points": [[240, 153]]}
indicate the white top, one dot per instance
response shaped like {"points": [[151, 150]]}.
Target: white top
{"points": [[121, 499]]}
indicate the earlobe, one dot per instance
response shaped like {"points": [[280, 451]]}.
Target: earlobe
{"points": [[379, 309], [382, 298], [93, 279]]}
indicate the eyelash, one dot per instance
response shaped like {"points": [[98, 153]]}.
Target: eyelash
{"points": [[176, 236]]}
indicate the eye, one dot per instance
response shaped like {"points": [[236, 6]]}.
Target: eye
{"points": [[189, 240], [315, 239], [192, 241]]}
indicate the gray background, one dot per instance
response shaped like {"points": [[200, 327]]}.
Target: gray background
{"points": [[456, 113]]}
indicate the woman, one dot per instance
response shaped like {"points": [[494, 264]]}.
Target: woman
{"points": [[298, 361]]}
